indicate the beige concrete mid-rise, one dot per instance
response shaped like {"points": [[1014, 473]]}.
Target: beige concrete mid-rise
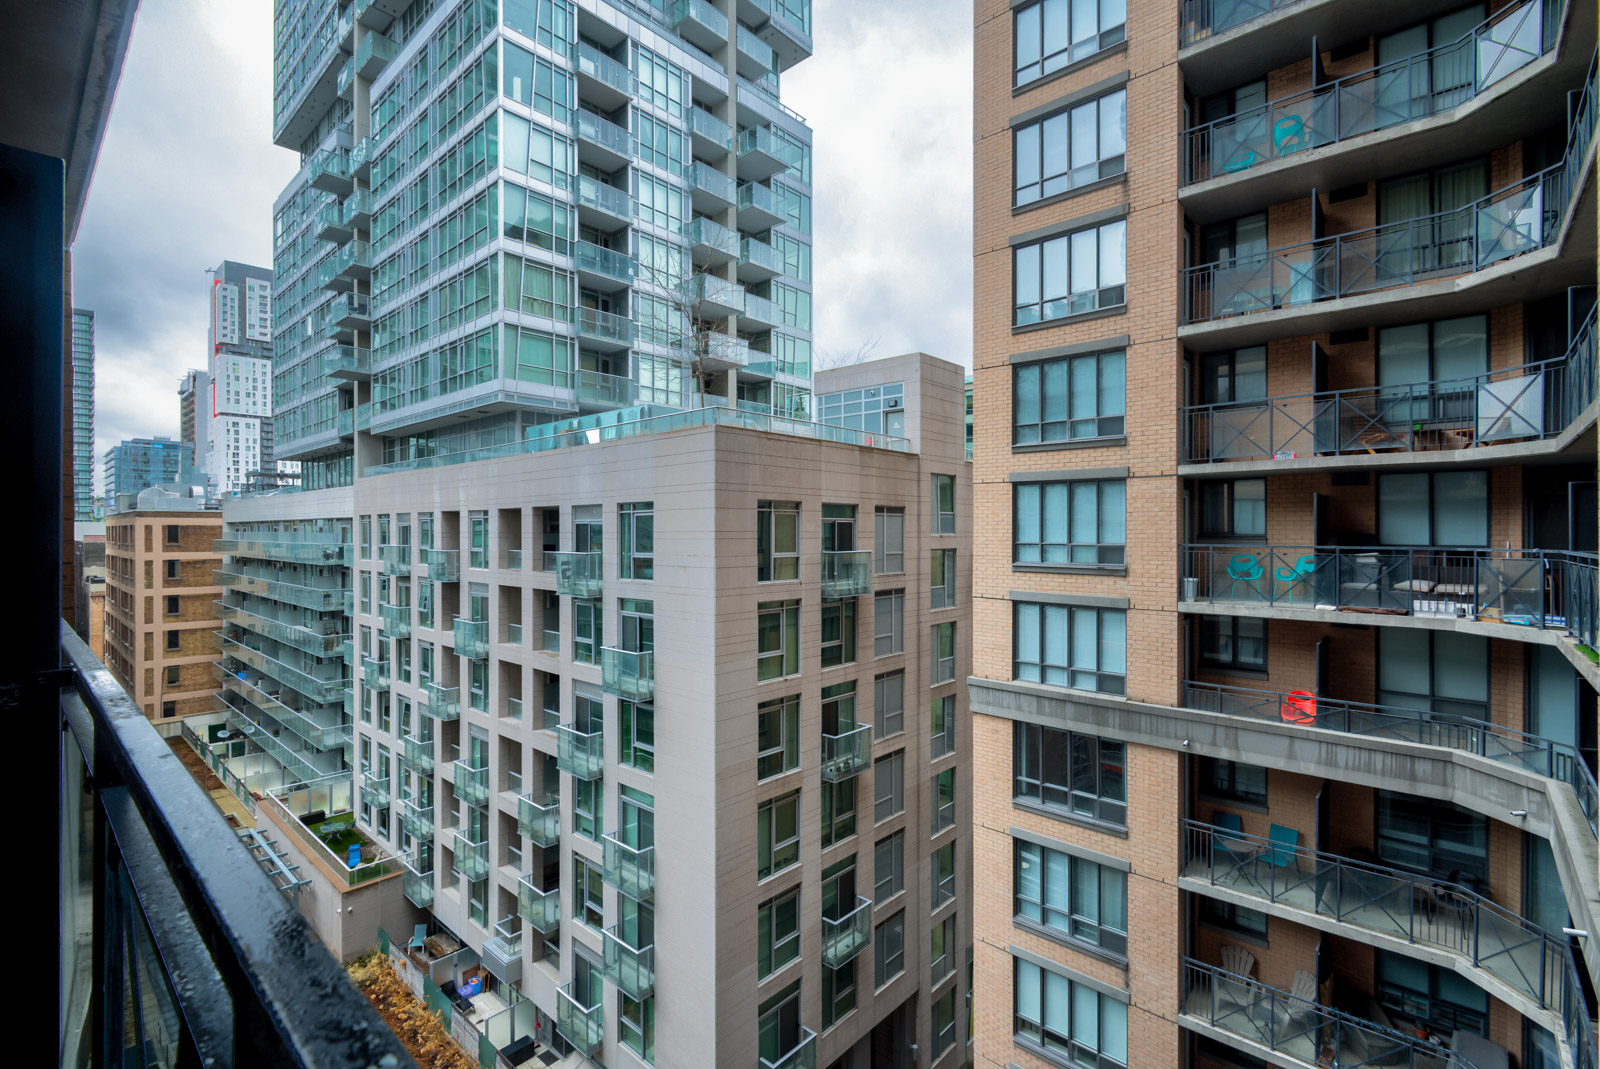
{"points": [[1284, 479], [160, 602]]}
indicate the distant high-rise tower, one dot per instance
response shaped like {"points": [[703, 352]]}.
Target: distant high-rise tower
{"points": [[194, 410], [140, 463], [238, 440], [83, 414]]}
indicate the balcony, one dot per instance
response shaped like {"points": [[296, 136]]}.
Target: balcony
{"points": [[374, 792], [417, 887], [700, 24], [760, 314], [304, 552], [1518, 589], [630, 869], [320, 681], [603, 269], [712, 244], [396, 560], [347, 363], [632, 969], [419, 754], [603, 330], [502, 952], [788, 32], [710, 189], [711, 297], [444, 565], [720, 352], [373, 54], [471, 638], [345, 85], [761, 155], [441, 703], [350, 262], [396, 619], [846, 573], [1434, 420], [472, 858], [602, 142], [599, 390], [375, 674], [578, 753], [628, 674], [604, 80], [361, 159], [582, 1026], [578, 575], [471, 783], [711, 138], [1551, 759], [357, 209], [803, 1055], [758, 261], [417, 820], [330, 225], [755, 58], [329, 171], [300, 638], [540, 908], [1297, 1029], [845, 937], [603, 206], [759, 208], [1506, 954], [539, 821], [846, 755]]}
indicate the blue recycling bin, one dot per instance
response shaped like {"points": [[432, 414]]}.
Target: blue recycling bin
{"points": [[354, 859]]}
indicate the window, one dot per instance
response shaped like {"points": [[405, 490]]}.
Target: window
{"points": [[942, 949], [942, 579], [1446, 508], [777, 736], [777, 834], [944, 801], [1436, 671], [1437, 999], [888, 786], [172, 604], [1238, 375], [1233, 508], [942, 718], [173, 673], [889, 540], [169, 709], [588, 632], [366, 593], [1079, 899], [889, 704], [838, 992], [1075, 273], [943, 863], [889, 949], [889, 867], [1432, 837], [638, 746], [778, 1027], [888, 623], [1233, 642], [1071, 148], [942, 494], [1079, 774], [424, 604], [944, 653], [173, 639], [479, 555], [477, 902], [777, 933], [777, 541], [1070, 523], [838, 632], [588, 807], [1233, 780], [1068, 646], [588, 893], [172, 569], [1070, 399], [838, 528], [172, 534], [1073, 1019], [777, 639], [944, 1019], [636, 1025], [1053, 33], [838, 811], [638, 540], [1228, 915]]}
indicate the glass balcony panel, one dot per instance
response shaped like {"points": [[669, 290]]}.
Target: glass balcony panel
{"points": [[306, 551], [760, 256], [632, 969], [846, 755], [604, 198], [802, 1056], [609, 263], [605, 328], [396, 560], [444, 565], [712, 297], [593, 63], [417, 820], [419, 754], [396, 619], [418, 887], [630, 869], [723, 189], [375, 673], [471, 638], [759, 207], [706, 128], [578, 575], [441, 703], [759, 314], [471, 784], [472, 859], [627, 673], [606, 134], [612, 391], [540, 908], [582, 1026], [844, 938], [711, 242], [374, 792], [373, 54], [755, 56], [539, 821], [578, 753], [846, 573]]}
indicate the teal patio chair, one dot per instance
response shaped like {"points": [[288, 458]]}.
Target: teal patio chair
{"points": [[1282, 844], [1296, 575], [1244, 568]]}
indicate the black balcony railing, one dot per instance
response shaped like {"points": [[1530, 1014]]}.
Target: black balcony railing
{"points": [[1545, 589], [1386, 95], [1533, 753], [1520, 404], [1201, 19], [1522, 217], [177, 948], [1426, 912]]}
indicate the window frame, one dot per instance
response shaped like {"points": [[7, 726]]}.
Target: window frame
{"points": [[888, 771], [788, 632], [1032, 264], [888, 950], [1078, 799], [1220, 778], [891, 641], [942, 664], [788, 748], [941, 579], [770, 944], [768, 555], [768, 857], [630, 556], [942, 522], [1059, 910], [1063, 123], [884, 716], [1233, 662], [843, 649], [1108, 37], [1100, 367], [1058, 1042], [1108, 521], [888, 867], [1101, 677], [1228, 489], [886, 560]]}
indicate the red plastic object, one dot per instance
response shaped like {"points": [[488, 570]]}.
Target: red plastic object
{"points": [[1299, 707]]}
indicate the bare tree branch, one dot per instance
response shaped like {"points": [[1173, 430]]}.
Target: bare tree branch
{"points": [[828, 359]]}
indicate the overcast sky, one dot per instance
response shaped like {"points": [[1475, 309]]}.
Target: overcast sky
{"points": [[188, 172]]}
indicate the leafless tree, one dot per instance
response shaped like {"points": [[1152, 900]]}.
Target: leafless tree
{"points": [[828, 359]]}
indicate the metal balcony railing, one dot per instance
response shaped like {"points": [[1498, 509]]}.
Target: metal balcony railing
{"points": [[444, 565], [846, 755], [582, 1026], [472, 858], [416, 819], [471, 783], [1559, 761], [578, 575], [631, 968], [1531, 402], [1547, 589], [440, 702], [630, 869], [223, 957], [845, 937], [539, 821], [629, 674], [578, 753], [846, 573], [471, 638], [538, 907], [1379, 97]]}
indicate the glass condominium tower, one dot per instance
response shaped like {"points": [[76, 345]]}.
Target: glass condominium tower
{"points": [[512, 212], [83, 414]]}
